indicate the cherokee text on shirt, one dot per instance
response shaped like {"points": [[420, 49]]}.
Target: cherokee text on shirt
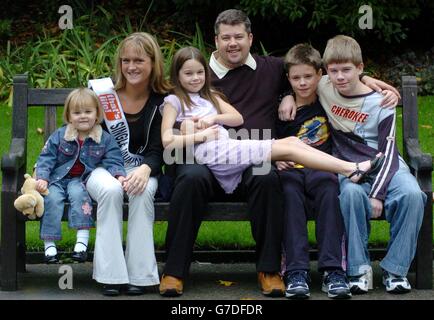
{"points": [[355, 116]]}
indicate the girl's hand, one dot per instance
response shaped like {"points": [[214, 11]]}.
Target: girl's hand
{"points": [[136, 181], [41, 185], [121, 179], [284, 165], [189, 126], [206, 122], [210, 133], [287, 108]]}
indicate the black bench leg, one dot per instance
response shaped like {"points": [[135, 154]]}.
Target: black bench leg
{"points": [[8, 243], [21, 246], [424, 256]]}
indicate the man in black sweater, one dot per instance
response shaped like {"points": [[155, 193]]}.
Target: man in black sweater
{"points": [[252, 84]]}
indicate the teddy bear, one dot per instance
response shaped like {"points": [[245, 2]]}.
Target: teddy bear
{"points": [[30, 202]]}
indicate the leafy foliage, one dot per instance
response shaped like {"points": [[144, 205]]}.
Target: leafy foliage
{"points": [[56, 58], [5, 28], [68, 60], [71, 57], [412, 63], [387, 17]]}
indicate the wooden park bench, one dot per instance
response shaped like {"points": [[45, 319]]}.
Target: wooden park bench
{"points": [[13, 166]]}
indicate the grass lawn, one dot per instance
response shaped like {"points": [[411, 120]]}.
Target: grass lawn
{"points": [[212, 234]]}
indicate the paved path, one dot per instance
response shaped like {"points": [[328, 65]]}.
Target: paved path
{"points": [[42, 282]]}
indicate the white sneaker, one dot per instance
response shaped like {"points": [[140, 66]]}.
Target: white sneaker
{"points": [[362, 283], [395, 284], [359, 284]]}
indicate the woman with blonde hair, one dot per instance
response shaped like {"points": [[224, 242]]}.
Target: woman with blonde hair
{"points": [[131, 117]]}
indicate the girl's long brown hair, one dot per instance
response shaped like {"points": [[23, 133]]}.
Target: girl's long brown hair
{"points": [[207, 92]]}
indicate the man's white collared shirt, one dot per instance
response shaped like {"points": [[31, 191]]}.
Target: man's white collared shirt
{"points": [[221, 70]]}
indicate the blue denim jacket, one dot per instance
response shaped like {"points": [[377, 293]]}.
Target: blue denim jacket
{"points": [[62, 150]]}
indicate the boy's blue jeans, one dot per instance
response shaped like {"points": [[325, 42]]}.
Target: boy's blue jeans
{"points": [[404, 207], [80, 209]]}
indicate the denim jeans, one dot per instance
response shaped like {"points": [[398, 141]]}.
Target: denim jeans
{"points": [[404, 207], [80, 209]]}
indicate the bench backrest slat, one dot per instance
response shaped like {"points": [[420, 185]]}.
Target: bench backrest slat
{"points": [[216, 211], [50, 123], [47, 97], [409, 113], [19, 110]]}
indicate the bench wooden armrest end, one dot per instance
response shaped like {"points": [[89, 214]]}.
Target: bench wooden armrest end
{"points": [[16, 157]]}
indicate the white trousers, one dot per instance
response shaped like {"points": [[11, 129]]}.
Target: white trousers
{"points": [[110, 266]]}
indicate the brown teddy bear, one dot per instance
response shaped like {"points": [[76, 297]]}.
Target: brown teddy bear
{"points": [[30, 202]]}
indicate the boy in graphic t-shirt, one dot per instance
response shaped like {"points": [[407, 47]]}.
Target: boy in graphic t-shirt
{"points": [[310, 191]]}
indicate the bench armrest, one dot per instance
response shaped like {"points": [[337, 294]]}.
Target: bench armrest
{"points": [[16, 157], [421, 163], [418, 160]]}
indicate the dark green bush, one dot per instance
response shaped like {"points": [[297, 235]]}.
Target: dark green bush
{"points": [[5, 28], [388, 16], [410, 63], [35, 44]]}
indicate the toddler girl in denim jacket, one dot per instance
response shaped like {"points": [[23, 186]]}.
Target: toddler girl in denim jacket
{"points": [[67, 159]]}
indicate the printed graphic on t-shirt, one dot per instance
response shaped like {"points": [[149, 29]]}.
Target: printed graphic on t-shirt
{"points": [[314, 132], [349, 114]]}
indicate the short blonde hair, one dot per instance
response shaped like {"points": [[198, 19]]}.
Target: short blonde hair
{"points": [[80, 98], [302, 53], [144, 44], [342, 49]]}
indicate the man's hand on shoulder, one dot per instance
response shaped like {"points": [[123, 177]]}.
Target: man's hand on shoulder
{"points": [[390, 99], [287, 108], [390, 93]]}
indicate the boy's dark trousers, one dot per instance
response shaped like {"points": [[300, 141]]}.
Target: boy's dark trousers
{"points": [[314, 193], [195, 186]]}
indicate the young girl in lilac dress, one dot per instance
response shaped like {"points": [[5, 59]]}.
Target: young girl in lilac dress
{"points": [[193, 98]]}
